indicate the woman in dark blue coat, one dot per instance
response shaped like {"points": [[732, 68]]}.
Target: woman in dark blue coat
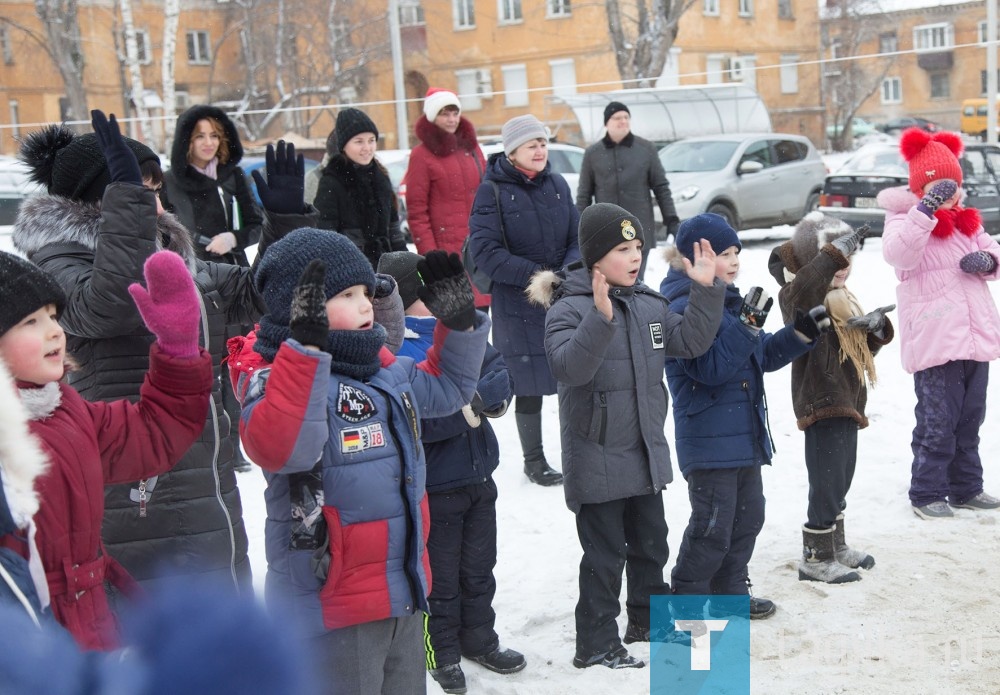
{"points": [[523, 220]]}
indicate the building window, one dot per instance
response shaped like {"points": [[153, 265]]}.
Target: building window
{"points": [[715, 68], [411, 13], [509, 11], [887, 43], [785, 9], [933, 37], [746, 8], [5, 47], [15, 118], [199, 52], [892, 90], [789, 74], [711, 8], [142, 47], [469, 89], [182, 100], [982, 81], [981, 32], [557, 8], [515, 84], [563, 77], [465, 13], [940, 85]]}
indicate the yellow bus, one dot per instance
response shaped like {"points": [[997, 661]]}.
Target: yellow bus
{"points": [[973, 120]]}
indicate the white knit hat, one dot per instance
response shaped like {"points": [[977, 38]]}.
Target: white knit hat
{"points": [[436, 99]]}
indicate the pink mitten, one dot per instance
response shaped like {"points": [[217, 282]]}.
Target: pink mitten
{"points": [[170, 307]]}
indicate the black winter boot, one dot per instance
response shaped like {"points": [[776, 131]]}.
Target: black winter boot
{"points": [[529, 429], [848, 556], [819, 561], [450, 678], [501, 660]]}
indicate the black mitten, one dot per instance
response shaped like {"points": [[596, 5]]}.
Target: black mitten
{"points": [[122, 163], [446, 291], [849, 243], [284, 190], [756, 306], [309, 323], [873, 321], [813, 323]]}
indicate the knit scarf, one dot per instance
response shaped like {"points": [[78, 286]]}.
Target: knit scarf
{"points": [[841, 305], [211, 170], [355, 353]]}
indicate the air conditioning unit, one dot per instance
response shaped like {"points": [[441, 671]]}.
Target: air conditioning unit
{"points": [[484, 82], [737, 69]]}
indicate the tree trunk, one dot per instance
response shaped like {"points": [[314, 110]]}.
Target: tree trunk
{"points": [[171, 11], [135, 72], [59, 17], [642, 42]]}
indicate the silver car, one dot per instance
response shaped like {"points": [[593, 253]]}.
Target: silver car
{"points": [[753, 180]]}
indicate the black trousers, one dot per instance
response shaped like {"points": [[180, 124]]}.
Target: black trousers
{"points": [[831, 455], [727, 513], [629, 534], [462, 548]]}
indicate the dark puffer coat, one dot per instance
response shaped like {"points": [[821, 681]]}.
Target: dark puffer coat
{"points": [[207, 206], [540, 225], [359, 202], [193, 522]]}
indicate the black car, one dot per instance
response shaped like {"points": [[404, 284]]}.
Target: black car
{"points": [[898, 125], [849, 193]]}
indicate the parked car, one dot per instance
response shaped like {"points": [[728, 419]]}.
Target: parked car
{"points": [[249, 164], [898, 125], [850, 192], [859, 128], [15, 186], [753, 180], [395, 162]]}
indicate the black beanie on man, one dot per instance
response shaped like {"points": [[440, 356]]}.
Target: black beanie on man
{"points": [[71, 165], [25, 289], [602, 227], [351, 122], [613, 108]]}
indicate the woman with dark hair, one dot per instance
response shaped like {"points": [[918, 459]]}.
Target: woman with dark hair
{"points": [[355, 196], [206, 189]]}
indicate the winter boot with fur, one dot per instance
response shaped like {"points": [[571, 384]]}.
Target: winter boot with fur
{"points": [[529, 429], [848, 556], [819, 561]]}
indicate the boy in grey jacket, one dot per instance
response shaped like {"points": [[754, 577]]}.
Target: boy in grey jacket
{"points": [[606, 337]]}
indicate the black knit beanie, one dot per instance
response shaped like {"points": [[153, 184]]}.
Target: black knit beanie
{"points": [[351, 122], [602, 227], [71, 165], [25, 288], [402, 266], [710, 227], [613, 108]]}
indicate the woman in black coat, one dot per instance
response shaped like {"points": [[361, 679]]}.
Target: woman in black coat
{"points": [[355, 196]]}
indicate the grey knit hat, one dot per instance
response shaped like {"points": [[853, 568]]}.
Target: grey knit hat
{"points": [[520, 130], [25, 289], [402, 266], [602, 227], [813, 232]]}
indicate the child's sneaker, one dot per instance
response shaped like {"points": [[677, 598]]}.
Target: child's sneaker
{"points": [[980, 501], [501, 660], [450, 678], [616, 658], [934, 510]]}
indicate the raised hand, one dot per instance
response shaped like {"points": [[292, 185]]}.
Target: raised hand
{"points": [[978, 262], [169, 304], [702, 270], [446, 291], [309, 323], [756, 306], [849, 243], [813, 323], [873, 321], [283, 192], [122, 163], [940, 193], [387, 306], [602, 298]]}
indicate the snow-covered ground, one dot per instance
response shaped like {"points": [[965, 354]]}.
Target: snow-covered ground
{"points": [[925, 619]]}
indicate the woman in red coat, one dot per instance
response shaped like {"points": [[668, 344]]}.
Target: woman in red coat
{"points": [[442, 178], [92, 444]]}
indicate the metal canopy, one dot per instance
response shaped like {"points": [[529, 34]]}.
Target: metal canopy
{"points": [[666, 114]]}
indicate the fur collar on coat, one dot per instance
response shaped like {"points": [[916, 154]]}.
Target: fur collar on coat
{"points": [[442, 143], [966, 221], [21, 457]]}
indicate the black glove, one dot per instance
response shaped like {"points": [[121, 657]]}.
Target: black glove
{"points": [[493, 391], [849, 243], [978, 262], [309, 323], [756, 305], [873, 321], [446, 291], [672, 227], [389, 312], [941, 191], [122, 163], [813, 323], [283, 192]]}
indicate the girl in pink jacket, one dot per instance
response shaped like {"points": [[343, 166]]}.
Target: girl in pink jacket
{"points": [[949, 328]]}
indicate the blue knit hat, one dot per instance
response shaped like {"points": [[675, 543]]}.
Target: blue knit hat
{"points": [[283, 262], [709, 226]]}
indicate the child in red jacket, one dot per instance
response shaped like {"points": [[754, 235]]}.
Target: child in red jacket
{"points": [[90, 445]]}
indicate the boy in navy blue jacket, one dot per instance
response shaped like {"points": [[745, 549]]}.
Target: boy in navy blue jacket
{"points": [[462, 453], [720, 422]]}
